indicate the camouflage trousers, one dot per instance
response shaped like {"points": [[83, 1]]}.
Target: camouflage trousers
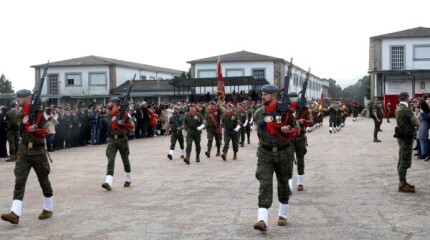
{"points": [[23, 165], [176, 137], [300, 149], [211, 135], [196, 137], [377, 128], [113, 147], [242, 134], [279, 163], [405, 157], [234, 137], [13, 139]]}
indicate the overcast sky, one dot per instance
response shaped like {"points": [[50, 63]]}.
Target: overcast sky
{"points": [[331, 37]]}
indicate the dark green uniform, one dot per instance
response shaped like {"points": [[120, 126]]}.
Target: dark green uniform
{"points": [[243, 118], [213, 128], [118, 141], [12, 132], [404, 117], [230, 122], [176, 122], [275, 155], [376, 109], [191, 123], [248, 126], [32, 154], [300, 141]]}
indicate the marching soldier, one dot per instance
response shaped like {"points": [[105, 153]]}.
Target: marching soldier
{"points": [[231, 123], [248, 126], [377, 119], [275, 155], [404, 132], [332, 118], [305, 120], [213, 128], [176, 122], [243, 120], [354, 111], [118, 125], [12, 132], [388, 111], [31, 154], [193, 124]]}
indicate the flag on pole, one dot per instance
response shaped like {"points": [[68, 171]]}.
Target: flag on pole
{"points": [[220, 85]]}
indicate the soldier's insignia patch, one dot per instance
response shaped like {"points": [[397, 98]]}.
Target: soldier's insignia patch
{"points": [[268, 119], [278, 119], [25, 119], [113, 118]]}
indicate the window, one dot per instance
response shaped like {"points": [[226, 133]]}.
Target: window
{"points": [[397, 58], [151, 78], [301, 81], [206, 73], [259, 73], [98, 79], [296, 79], [73, 79], [53, 84], [236, 72], [422, 52], [142, 77]]}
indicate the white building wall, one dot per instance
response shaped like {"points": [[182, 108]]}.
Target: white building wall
{"points": [[409, 43], [124, 74], [151, 75], [81, 90]]}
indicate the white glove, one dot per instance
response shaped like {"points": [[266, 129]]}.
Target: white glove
{"points": [[200, 127], [246, 123], [252, 120], [237, 128], [184, 133]]}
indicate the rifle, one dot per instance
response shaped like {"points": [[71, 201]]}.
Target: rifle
{"points": [[302, 95], [124, 104], [36, 102], [283, 106]]}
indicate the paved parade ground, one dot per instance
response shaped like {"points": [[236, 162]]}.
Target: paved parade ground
{"points": [[350, 193]]}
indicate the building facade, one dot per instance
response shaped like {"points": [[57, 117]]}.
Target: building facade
{"points": [[257, 66], [400, 62], [93, 77]]}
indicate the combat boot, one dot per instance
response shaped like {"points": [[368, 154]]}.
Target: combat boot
{"points": [[223, 156], [235, 156], [405, 187], [106, 186], [11, 159], [249, 141], [169, 156], [376, 140], [300, 188], [10, 217], [242, 144], [208, 153], [282, 221], [218, 152], [260, 225], [197, 157], [187, 159], [45, 214]]}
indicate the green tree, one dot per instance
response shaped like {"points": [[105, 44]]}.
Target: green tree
{"points": [[5, 85]]}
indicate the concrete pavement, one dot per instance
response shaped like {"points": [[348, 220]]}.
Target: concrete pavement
{"points": [[350, 193]]}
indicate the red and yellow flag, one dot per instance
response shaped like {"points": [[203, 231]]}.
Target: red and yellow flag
{"points": [[220, 85]]}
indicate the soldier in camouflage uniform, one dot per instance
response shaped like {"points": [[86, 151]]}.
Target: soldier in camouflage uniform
{"points": [[404, 132], [119, 126], [176, 122], [377, 119], [31, 154], [193, 124], [12, 132], [231, 125], [243, 120], [275, 155], [305, 120], [213, 127]]}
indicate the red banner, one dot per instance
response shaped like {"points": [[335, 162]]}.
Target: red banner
{"points": [[220, 85]]}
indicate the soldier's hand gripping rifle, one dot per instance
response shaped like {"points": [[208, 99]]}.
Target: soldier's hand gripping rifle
{"points": [[36, 103], [283, 106], [124, 103], [301, 105]]}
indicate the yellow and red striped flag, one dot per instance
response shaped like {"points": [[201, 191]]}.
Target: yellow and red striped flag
{"points": [[220, 85]]}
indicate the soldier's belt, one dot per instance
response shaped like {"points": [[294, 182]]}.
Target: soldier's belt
{"points": [[33, 145], [273, 149], [117, 136]]}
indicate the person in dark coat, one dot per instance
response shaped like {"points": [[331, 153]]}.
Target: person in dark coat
{"points": [[3, 133]]}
